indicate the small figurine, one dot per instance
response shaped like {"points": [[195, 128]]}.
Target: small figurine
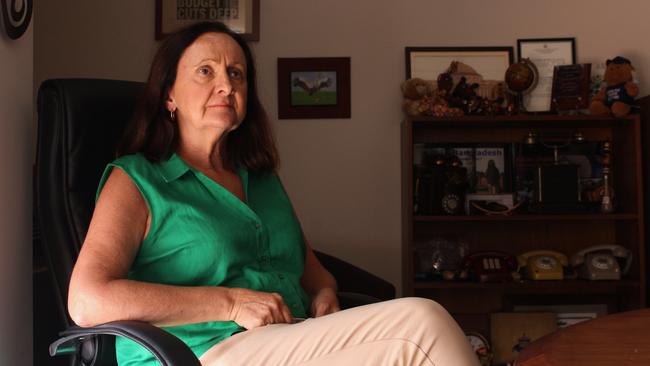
{"points": [[493, 177], [464, 96], [440, 106], [445, 84], [619, 91]]}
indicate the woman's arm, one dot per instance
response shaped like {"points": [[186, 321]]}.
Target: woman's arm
{"points": [[99, 291], [319, 284]]}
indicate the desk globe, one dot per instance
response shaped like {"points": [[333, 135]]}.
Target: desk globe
{"points": [[521, 78]]}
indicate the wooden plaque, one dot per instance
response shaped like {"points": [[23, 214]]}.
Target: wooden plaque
{"points": [[571, 87]]}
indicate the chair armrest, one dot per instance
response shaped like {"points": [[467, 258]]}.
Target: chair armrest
{"points": [[352, 299], [352, 279], [167, 349]]}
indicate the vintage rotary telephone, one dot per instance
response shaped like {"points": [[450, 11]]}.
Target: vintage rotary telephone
{"points": [[490, 266], [441, 183], [602, 262], [543, 265]]}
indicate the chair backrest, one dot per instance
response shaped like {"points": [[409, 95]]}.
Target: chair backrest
{"points": [[80, 122]]}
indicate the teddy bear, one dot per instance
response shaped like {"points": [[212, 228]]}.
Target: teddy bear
{"points": [[619, 89], [418, 96], [423, 98]]}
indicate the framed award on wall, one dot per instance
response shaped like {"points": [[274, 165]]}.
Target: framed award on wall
{"points": [[545, 54]]}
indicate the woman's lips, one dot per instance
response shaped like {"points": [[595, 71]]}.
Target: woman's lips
{"points": [[221, 105]]}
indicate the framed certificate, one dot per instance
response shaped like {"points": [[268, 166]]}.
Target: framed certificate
{"points": [[545, 53]]}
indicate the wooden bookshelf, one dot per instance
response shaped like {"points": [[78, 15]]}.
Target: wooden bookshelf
{"points": [[521, 232]]}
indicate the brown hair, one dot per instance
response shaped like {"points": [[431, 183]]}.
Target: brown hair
{"points": [[152, 132]]}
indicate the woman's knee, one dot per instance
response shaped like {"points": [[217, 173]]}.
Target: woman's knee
{"points": [[421, 306], [424, 311]]}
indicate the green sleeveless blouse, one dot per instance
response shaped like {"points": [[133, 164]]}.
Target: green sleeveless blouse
{"points": [[202, 235]]}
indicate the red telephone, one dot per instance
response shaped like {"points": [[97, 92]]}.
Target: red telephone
{"points": [[491, 266]]}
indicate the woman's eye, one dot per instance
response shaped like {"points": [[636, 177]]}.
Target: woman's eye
{"points": [[236, 74], [204, 70]]}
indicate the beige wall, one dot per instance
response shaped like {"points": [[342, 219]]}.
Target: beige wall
{"points": [[16, 78], [344, 175]]}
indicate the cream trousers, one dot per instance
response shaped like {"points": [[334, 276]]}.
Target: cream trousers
{"points": [[407, 331]]}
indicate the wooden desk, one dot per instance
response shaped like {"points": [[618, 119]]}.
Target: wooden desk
{"points": [[621, 339]]}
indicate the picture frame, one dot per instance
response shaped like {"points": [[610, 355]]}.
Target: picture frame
{"points": [[429, 62], [242, 16], [506, 200], [511, 332], [314, 87], [545, 53], [567, 314]]}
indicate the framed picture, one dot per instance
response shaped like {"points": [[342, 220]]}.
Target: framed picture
{"points": [[545, 53], [512, 332], [567, 314], [427, 63], [314, 87], [242, 16]]}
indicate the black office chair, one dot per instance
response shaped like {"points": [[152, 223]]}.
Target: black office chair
{"points": [[79, 124]]}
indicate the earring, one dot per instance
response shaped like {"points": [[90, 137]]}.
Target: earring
{"points": [[172, 115]]}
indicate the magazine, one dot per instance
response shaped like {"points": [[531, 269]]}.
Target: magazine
{"points": [[490, 166]]}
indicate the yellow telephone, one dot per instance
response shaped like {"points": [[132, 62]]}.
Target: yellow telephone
{"points": [[543, 264]]}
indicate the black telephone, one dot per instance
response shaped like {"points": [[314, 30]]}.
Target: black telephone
{"points": [[440, 185], [602, 262]]}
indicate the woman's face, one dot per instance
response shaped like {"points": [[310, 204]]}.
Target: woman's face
{"points": [[210, 90]]}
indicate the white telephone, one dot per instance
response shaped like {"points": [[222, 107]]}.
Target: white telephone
{"points": [[602, 262]]}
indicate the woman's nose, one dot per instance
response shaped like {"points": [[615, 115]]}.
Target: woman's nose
{"points": [[223, 83]]}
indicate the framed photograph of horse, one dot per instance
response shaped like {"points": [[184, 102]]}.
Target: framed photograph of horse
{"points": [[314, 88]]}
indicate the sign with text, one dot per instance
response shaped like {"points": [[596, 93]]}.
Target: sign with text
{"points": [[242, 16]]}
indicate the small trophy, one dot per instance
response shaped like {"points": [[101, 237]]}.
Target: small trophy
{"points": [[606, 205]]}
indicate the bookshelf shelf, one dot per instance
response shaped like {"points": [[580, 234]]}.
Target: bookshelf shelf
{"points": [[530, 217], [563, 286]]}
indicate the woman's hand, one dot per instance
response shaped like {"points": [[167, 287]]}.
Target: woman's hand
{"points": [[324, 302], [252, 309]]}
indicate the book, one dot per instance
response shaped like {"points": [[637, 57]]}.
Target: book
{"points": [[466, 156], [490, 165]]}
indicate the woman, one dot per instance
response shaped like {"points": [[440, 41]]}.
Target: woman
{"points": [[194, 232]]}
